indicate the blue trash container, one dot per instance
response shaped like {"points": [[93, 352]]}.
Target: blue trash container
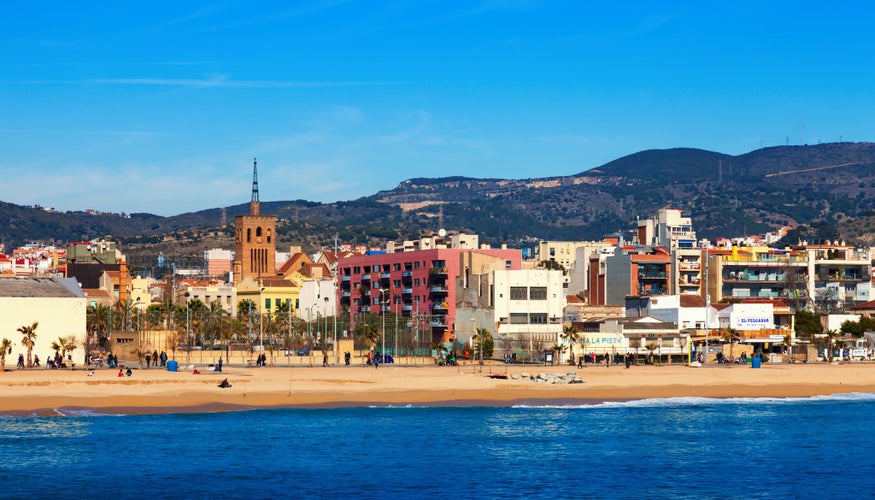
{"points": [[755, 362], [171, 365]]}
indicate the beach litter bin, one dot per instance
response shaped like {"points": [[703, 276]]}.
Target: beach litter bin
{"points": [[171, 365], [755, 362]]}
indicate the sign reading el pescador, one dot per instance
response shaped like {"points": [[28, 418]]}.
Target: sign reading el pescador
{"points": [[752, 323]]}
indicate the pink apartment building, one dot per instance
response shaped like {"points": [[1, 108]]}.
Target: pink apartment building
{"points": [[421, 282]]}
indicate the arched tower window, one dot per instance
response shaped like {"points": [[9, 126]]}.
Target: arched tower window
{"points": [[248, 235], [269, 235]]}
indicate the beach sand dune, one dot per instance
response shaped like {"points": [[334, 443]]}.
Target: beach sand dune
{"points": [[47, 392]]}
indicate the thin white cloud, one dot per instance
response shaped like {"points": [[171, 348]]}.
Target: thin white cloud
{"points": [[217, 82]]}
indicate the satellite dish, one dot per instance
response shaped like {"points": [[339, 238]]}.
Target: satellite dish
{"points": [[442, 232]]}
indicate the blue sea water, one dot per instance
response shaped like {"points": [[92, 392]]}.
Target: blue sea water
{"points": [[679, 447]]}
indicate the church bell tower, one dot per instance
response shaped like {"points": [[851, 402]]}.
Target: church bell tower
{"points": [[254, 239]]}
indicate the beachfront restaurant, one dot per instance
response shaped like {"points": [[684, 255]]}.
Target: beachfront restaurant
{"points": [[649, 339]]}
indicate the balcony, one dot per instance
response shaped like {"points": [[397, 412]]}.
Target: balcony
{"points": [[385, 276], [345, 279], [438, 322], [438, 290], [366, 277], [437, 271], [652, 276], [441, 307], [344, 294], [406, 291], [365, 309], [406, 308], [407, 275]]}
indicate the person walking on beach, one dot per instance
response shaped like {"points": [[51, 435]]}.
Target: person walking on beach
{"points": [[148, 359], [346, 357], [219, 364], [163, 358], [21, 361], [324, 359]]}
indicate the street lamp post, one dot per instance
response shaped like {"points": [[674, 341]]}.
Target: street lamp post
{"points": [[188, 321], [383, 318], [479, 341], [310, 332]]}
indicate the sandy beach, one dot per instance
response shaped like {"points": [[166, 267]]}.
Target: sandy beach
{"points": [[57, 392]]}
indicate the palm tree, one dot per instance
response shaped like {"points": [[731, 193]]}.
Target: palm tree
{"points": [[65, 344], [559, 348], [5, 348], [28, 341], [788, 342], [830, 335], [650, 347], [488, 343], [730, 336], [571, 335]]}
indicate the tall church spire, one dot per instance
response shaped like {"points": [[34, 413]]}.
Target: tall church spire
{"points": [[254, 205]]}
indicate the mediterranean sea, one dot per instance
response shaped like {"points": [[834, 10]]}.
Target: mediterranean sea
{"points": [[678, 447]]}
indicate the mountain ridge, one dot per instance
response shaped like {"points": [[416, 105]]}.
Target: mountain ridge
{"points": [[826, 186]]}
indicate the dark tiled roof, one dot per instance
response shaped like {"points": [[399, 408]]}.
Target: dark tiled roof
{"points": [[39, 287]]}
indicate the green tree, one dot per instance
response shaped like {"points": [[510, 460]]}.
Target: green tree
{"points": [[28, 340], [807, 324]]}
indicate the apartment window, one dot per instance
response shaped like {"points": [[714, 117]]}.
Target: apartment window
{"points": [[367, 269], [538, 318], [538, 293], [267, 304], [396, 267], [357, 270], [552, 252], [507, 264], [396, 283], [518, 293], [519, 318], [416, 265], [416, 282]]}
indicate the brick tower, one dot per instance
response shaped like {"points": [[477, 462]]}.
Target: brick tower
{"points": [[254, 239]]}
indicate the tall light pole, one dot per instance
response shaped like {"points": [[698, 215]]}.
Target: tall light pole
{"points": [[707, 307]]}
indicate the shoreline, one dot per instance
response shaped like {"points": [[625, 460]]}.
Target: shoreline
{"points": [[63, 392]]}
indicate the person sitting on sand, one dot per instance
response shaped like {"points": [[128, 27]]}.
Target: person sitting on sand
{"points": [[195, 372], [224, 384], [121, 373], [129, 372]]}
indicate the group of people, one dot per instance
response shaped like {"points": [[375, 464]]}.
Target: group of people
{"points": [[153, 359], [261, 360], [56, 361], [617, 359]]}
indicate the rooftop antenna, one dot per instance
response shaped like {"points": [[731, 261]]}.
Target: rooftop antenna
{"points": [[254, 179]]}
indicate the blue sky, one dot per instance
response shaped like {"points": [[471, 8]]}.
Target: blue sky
{"points": [[160, 106]]}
